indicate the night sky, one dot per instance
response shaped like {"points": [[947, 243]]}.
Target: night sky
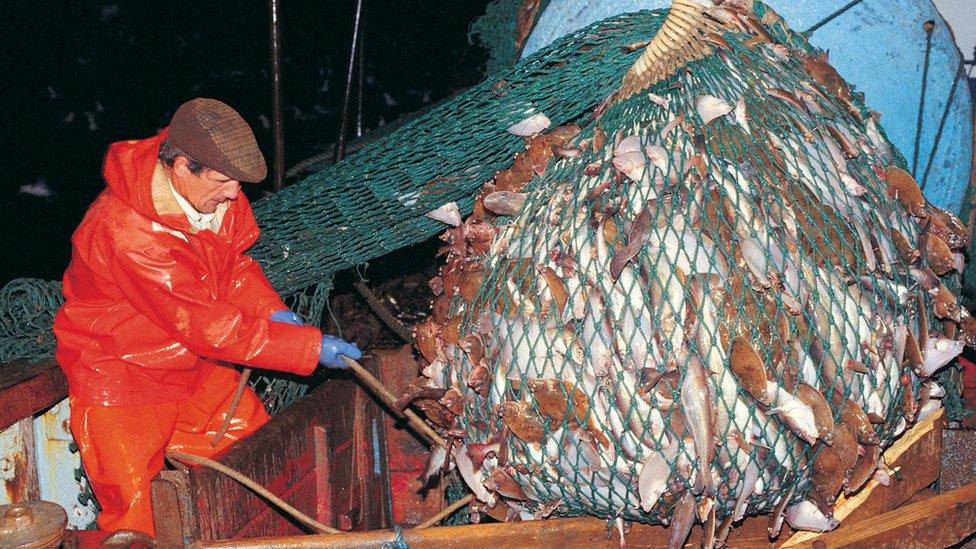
{"points": [[80, 75]]}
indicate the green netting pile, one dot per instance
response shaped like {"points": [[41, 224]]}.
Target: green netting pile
{"points": [[717, 296], [503, 29], [27, 309]]}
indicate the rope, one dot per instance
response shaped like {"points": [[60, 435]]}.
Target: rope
{"points": [[181, 457], [254, 487], [398, 541], [389, 398], [938, 134], [382, 311], [338, 328], [447, 511], [929, 25], [832, 16], [234, 402]]}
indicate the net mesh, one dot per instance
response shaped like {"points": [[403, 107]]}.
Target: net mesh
{"points": [[503, 29], [705, 294]]}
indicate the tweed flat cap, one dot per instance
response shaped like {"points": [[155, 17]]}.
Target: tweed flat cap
{"points": [[215, 135]]}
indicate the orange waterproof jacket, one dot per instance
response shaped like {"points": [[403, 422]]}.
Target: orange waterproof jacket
{"points": [[151, 303]]}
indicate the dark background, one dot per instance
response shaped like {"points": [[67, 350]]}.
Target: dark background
{"points": [[77, 76]]}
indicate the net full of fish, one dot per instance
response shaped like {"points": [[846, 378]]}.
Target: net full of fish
{"points": [[719, 296]]}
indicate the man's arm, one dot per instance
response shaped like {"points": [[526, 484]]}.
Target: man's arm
{"points": [[161, 282], [251, 291]]}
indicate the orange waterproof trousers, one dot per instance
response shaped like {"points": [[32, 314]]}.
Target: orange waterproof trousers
{"points": [[122, 447]]}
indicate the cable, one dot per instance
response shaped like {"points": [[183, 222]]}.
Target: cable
{"points": [[928, 26], [938, 134], [832, 16], [256, 488], [382, 311]]}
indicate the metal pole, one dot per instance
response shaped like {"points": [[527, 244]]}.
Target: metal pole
{"points": [[340, 145], [360, 78], [279, 139]]}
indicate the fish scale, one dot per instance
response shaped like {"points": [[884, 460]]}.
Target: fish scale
{"points": [[728, 300]]}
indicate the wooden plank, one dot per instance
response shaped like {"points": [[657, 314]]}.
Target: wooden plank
{"points": [[18, 371], [581, 532], [29, 388], [573, 532], [277, 456], [339, 477], [917, 452], [173, 509], [917, 470], [375, 478], [301, 495], [324, 506], [917, 465], [406, 454], [939, 521]]}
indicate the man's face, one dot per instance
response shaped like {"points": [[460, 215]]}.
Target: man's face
{"points": [[207, 190]]}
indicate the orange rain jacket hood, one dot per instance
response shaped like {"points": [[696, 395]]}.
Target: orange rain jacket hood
{"points": [[151, 304]]}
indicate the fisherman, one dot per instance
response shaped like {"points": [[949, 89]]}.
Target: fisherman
{"points": [[161, 301]]}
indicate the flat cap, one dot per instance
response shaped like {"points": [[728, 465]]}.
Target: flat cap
{"points": [[217, 136]]}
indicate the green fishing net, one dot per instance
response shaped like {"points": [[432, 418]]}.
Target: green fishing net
{"points": [[717, 294]]}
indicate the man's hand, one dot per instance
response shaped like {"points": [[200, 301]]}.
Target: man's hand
{"points": [[286, 316], [333, 347]]}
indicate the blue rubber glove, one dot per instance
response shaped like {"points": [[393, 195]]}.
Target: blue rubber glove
{"points": [[286, 316], [332, 347]]}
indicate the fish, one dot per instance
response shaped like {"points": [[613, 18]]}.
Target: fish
{"points": [[473, 477], [828, 474], [741, 116], [854, 417], [561, 400], [794, 413], [659, 100], [636, 238], [530, 125], [906, 251], [696, 401], [749, 369], [823, 415], [501, 482], [938, 255], [505, 203], [864, 469], [938, 352], [682, 519], [629, 159], [710, 107], [653, 478], [522, 420], [806, 516], [435, 462], [787, 98], [776, 518], [846, 448], [902, 186]]}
